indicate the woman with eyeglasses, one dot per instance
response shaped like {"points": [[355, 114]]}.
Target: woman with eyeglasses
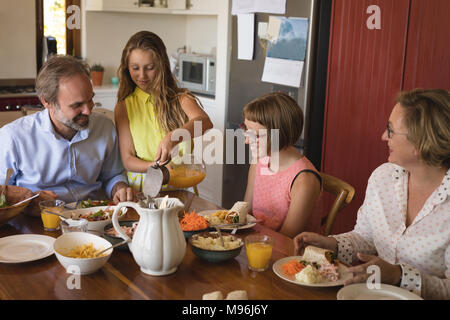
{"points": [[403, 226], [283, 185]]}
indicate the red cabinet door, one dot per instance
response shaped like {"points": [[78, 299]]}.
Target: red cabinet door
{"points": [[365, 72], [428, 47]]}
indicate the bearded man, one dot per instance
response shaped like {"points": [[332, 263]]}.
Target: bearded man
{"points": [[64, 152]]}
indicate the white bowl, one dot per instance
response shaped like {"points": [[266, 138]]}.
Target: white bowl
{"points": [[69, 241], [92, 225]]}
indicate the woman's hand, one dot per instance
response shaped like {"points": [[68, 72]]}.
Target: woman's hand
{"points": [[305, 239], [165, 148], [389, 273]]}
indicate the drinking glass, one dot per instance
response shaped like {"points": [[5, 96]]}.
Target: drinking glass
{"points": [[259, 251]]}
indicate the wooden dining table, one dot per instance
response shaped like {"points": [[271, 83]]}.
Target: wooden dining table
{"points": [[122, 279]]}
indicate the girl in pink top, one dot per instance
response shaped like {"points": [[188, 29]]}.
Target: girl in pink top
{"points": [[283, 185]]}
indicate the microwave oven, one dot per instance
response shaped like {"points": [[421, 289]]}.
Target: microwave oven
{"points": [[197, 73]]}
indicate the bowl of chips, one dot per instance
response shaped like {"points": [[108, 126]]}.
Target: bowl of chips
{"points": [[77, 252]]}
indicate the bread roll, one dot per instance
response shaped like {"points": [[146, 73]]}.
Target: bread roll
{"points": [[237, 295], [215, 295]]}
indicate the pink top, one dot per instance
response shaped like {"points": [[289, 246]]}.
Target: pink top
{"points": [[272, 192]]}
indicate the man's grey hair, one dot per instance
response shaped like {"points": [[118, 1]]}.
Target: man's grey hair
{"points": [[56, 68]]}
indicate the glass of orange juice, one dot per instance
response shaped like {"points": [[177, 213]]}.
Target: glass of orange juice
{"points": [[51, 221], [259, 251]]}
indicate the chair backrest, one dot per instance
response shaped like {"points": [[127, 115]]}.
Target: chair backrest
{"points": [[344, 195]]}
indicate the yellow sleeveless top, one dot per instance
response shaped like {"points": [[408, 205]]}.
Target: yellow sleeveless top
{"points": [[145, 131], [144, 127]]}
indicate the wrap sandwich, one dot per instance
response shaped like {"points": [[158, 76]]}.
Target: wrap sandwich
{"points": [[320, 256], [238, 213]]}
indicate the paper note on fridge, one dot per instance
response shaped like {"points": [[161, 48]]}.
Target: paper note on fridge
{"points": [[251, 6], [283, 71], [245, 35]]}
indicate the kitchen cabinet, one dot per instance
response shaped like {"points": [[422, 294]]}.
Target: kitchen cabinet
{"points": [[105, 97], [366, 70], [197, 7]]}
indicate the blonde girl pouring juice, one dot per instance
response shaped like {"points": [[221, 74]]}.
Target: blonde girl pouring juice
{"points": [[151, 107]]}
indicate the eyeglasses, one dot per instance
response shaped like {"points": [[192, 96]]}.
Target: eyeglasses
{"points": [[251, 134], [390, 133]]}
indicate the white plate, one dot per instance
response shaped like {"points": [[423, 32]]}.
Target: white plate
{"points": [[25, 247], [343, 274], [360, 291], [250, 219]]}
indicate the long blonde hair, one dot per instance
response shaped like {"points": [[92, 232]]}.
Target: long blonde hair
{"points": [[164, 88]]}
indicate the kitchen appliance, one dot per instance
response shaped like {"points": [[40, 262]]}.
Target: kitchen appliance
{"points": [[245, 84], [49, 47], [197, 72]]}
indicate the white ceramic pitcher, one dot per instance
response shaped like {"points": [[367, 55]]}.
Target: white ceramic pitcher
{"points": [[158, 244]]}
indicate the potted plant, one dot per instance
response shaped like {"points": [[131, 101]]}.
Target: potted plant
{"points": [[97, 71]]}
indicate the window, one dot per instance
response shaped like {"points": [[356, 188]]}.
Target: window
{"points": [[51, 20], [55, 22]]}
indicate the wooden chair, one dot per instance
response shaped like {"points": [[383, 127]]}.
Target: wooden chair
{"points": [[344, 195]]}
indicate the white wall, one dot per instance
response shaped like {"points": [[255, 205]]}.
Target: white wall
{"points": [[108, 32], [17, 39]]}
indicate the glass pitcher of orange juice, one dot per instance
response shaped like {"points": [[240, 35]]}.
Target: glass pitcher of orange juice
{"points": [[186, 171]]}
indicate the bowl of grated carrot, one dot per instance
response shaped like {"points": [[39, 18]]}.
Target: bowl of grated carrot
{"points": [[192, 223]]}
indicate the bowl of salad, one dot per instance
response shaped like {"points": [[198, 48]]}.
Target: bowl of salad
{"points": [[97, 217]]}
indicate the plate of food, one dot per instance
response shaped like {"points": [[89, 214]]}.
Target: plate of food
{"points": [[89, 203], [316, 268], [237, 217], [97, 217]]}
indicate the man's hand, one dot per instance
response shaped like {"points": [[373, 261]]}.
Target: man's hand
{"points": [[33, 209], [122, 192]]}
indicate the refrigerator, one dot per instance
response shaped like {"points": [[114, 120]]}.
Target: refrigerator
{"points": [[245, 84]]}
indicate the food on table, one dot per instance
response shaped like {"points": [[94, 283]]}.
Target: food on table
{"points": [[215, 295], [309, 275], [319, 255], [237, 214], [212, 241], [237, 295], [84, 251], [129, 231], [193, 222], [317, 265], [258, 254], [98, 215], [233, 295], [217, 217], [3, 203], [184, 177], [292, 267], [95, 203]]}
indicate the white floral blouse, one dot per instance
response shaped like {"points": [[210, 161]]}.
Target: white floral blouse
{"points": [[422, 249]]}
